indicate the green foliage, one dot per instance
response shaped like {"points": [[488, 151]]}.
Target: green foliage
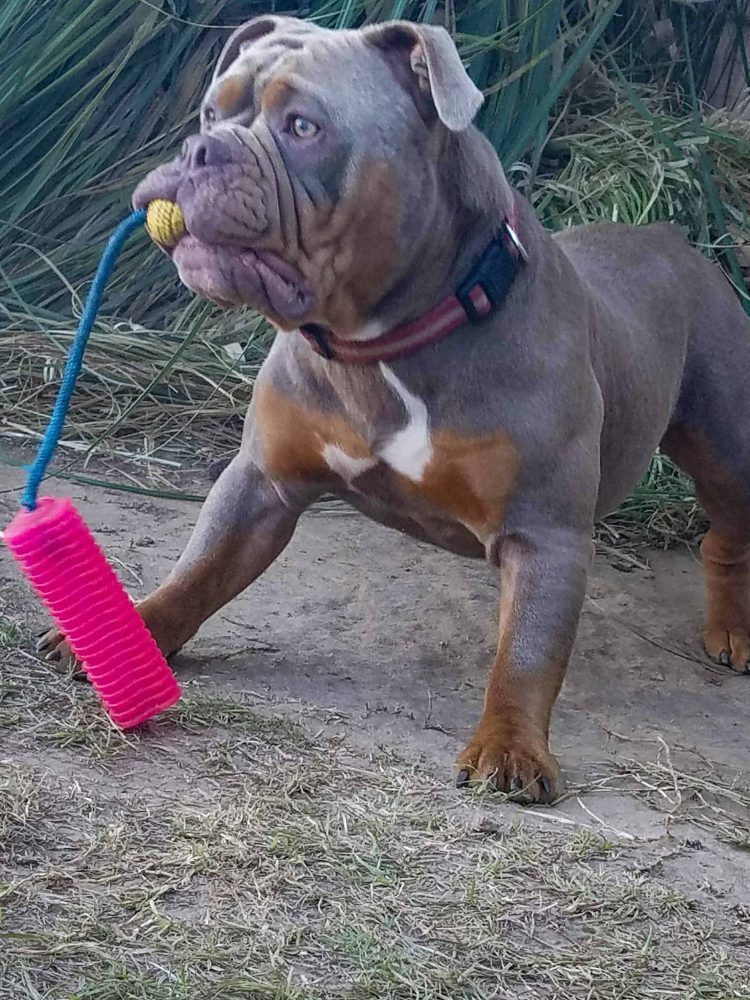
{"points": [[95, 93], [92, 94], [595, 107]]}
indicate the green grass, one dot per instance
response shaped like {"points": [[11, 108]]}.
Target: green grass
{"points": [[10, 634], [94, 94]]}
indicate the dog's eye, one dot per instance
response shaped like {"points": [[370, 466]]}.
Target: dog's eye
{"points": [[209, 115], [302, 127]]}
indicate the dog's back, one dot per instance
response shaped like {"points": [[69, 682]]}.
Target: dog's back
{"points": [[663, 314]]}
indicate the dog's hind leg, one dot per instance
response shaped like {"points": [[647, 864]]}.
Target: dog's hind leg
{"points": [[725, 550], [709, 438], [726, 565]]}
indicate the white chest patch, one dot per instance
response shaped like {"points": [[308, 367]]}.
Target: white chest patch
{"points": [[343, 464], [409, 450]]}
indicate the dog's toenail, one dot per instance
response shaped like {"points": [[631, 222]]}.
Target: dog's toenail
{"points": [[462, 778], [53, 657], [724, 659]]}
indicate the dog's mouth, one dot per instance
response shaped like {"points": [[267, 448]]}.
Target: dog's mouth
{"points": [[215, 256], [234, 275]]}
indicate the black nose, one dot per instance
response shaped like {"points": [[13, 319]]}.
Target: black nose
{"points": [[206, 151]]}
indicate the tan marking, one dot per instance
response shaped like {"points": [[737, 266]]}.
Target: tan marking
{"points": [[347, 253], [175, 610], [275, 94], [726, 564], [293, 438], [471, 478], [231, 96], [511, 742], [511, 568]]}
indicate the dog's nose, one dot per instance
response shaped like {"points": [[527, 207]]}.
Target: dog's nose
{"points": [[206, 151]]}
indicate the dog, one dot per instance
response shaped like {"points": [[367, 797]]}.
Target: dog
{"points": [[443, 363]]}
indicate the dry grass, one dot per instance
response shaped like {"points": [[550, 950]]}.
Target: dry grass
{"points": [[661, 511], [153, 401], [689, 788], [227, 853]]}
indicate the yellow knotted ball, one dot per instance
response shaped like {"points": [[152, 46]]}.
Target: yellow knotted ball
{"points": [[165, 222]]}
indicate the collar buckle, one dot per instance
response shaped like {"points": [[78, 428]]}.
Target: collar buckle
{"points": [[512, 234], [493, 273]]}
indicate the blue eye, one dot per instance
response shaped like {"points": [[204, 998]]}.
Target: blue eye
{"points": [[302, 127]]}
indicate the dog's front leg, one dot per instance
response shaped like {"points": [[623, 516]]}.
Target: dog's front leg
{"points": [[243, 526], [542, 580]]}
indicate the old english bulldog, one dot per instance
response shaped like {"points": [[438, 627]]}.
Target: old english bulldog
{"points": [[443, 363]]}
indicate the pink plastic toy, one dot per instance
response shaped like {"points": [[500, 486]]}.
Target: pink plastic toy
{"points": [[68, 570]]}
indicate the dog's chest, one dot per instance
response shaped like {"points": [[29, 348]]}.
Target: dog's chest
{"points": [[406, 451], [417, 471]]}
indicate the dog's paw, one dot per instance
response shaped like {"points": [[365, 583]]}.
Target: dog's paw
{"points": [[526, 771], [729, 647], [52, 645]]}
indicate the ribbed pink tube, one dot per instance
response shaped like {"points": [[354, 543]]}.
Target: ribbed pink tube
{"points": [[68, 570]]}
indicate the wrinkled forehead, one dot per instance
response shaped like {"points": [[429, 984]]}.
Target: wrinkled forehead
{"points": [[257, 48], [337, 68]]}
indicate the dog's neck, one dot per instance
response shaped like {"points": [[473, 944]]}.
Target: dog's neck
{"points": [[475, 201]]}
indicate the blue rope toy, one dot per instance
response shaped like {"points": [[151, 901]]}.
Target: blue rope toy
{"points": [[60, 557], [73, 365]]}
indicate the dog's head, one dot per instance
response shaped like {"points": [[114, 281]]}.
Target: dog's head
{"points": [[314, 182]]}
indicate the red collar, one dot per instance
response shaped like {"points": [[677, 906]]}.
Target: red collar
{"points": [[483, 291]]}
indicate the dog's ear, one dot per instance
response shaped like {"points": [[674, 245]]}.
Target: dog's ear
{"points": [[258, 28], [246, 34], [428, 54]]}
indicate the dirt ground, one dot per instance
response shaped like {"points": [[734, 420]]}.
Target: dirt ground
{"points": [[367, 650]]}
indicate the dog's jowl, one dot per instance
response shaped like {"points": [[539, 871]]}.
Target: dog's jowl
{"points": [[443, 363]]}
